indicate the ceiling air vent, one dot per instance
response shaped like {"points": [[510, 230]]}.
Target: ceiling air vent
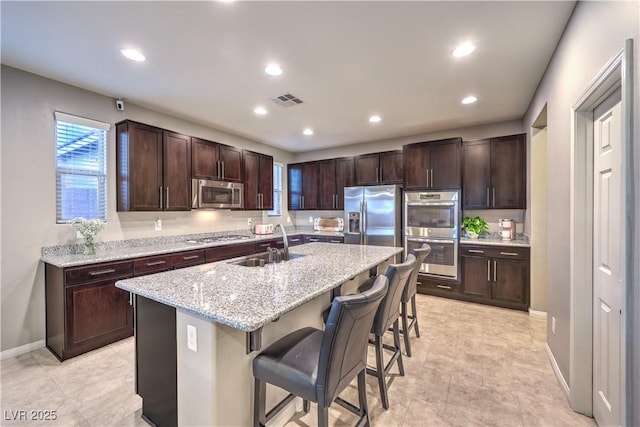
{"points": [[287, 100]]}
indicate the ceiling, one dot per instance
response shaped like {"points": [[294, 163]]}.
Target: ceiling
{"points": [[346, 60]]}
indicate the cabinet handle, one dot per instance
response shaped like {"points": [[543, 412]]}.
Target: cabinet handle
{"points": [[381, 179], [186, 258], [495, 271], [101, 272], [222, 169], [427, 173], [377, 175], [167, 197], [218, 168], [431, 178], [130, 298], [443, 287], [488, 197], [494, 197], [476, 251], [488, 270], [302, 198], [161, 201], [151, 264], [509, 253]]}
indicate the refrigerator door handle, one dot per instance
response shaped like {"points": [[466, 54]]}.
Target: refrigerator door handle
{"points": [[366, 225]]}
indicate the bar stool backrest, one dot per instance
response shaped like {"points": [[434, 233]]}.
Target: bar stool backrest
{"points": [[421, 254], [343, 353], [389, 309]]}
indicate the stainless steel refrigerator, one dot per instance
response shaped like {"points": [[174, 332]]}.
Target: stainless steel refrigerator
{"points": [[373, 215]]}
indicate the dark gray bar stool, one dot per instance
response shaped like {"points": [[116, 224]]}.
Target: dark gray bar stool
{"points": [[388, 315], [318, 365], [409, 296]]}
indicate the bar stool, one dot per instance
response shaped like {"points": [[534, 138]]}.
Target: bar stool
{"points": [[388, 314], [318, 365], [409, 295]]}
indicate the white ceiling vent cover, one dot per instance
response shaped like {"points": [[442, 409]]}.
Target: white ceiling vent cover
{"points": [[287, 100]]}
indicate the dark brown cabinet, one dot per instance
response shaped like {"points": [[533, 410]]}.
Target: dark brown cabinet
{"points": [[303, 190], [497, 275], [84, 309], [379, 168], [258, 181], [153, 168], [319, 184], [327, 184], [214, 161], [494, 173], [432, 165]]}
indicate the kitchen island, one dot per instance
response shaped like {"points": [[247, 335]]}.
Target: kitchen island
{"points": [[198, 329]]}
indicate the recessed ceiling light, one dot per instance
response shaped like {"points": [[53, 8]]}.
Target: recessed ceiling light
{"points": [[464, 49], [374, 119], [260, 111], [308, 131], [133, 54], [469, 100], [273, 69]]}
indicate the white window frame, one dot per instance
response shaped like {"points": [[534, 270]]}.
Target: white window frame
{"points": [[277, 192], [101, 173]]}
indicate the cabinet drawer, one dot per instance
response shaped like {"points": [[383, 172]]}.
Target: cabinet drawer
{"points": [[508, 252], [438, 285], [310, 239], [263, 246], [335, 239], [75, 275], [186, 259], [230, 251], [296, 240], [153, 264]]}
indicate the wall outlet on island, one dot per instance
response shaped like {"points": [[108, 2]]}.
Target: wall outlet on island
{"points": [[158, 225], [192, 338]]}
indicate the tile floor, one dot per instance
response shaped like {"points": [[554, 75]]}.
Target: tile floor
{"points": [[473, 365]]}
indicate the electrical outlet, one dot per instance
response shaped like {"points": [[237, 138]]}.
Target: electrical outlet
{"points": [[78, 235], [192, 338], [310, 219], [158, 224], [288, 218], [249, 222], [553, 325]]}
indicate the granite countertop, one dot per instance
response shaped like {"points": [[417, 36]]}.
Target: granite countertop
{"points": [[495, 241], [117, 251], [247, 298]]}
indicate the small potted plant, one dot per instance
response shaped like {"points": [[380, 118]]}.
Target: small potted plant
{"points": [[474, 227], [88, 228]]}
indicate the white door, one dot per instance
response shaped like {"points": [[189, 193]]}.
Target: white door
{"points": [[607, 261]]}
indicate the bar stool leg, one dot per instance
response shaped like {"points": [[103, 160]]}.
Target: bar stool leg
{"points": [[404, 314], [259, 403], [415, 315], [306, 406], [323, 416], [382, 383], [396, 344], [362, 396]]}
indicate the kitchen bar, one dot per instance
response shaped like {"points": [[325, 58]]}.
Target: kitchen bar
{"points": [[192, 366]]}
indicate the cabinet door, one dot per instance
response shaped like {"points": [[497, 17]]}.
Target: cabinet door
{"points": [[391, 167], [510, 280], [231, 159], [476, 174], [177, 172], [96, 314], [345, 177], [204, 159], [416, 166], [508, 172], [251, 179], [327, 184], [444, 160], [310, 175], [294, 190], [266, 182], [139, 167], [367, 169], [476, 280]]}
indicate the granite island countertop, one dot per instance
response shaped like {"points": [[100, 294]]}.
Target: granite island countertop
{"points": [[120, 250], [247, 298]]}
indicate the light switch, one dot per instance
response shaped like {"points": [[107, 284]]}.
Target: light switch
{"points": [[192, 338]]}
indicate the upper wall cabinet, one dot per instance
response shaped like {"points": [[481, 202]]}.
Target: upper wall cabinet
{"points": [[319, 184], [153, 168], [494, 173], [432, 165], [258, 181], [303, 187], [379, 168], [214, 161]]}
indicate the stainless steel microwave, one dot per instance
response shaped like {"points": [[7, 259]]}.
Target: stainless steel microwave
{"points": [[209, 194]]}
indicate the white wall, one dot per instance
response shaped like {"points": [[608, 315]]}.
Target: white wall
{"points": [[28, 219], [595, 33], [538, 193]]}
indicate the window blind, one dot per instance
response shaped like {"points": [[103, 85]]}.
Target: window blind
{"points": [[277, 191], [81, 168]]}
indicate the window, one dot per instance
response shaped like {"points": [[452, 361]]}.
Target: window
{"points": [[81, 168], [277, 190]]}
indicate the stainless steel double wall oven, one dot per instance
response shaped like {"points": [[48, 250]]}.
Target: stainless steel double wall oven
{"points": [[433, 217]]}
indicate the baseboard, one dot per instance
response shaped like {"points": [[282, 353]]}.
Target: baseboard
{"points": [[17, 351], [538, 314], [556, 370]]}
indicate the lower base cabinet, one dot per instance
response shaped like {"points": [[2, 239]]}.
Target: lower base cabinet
{"points": [[493, 275]]}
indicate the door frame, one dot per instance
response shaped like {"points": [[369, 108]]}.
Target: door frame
{"points": [[617, 74]]}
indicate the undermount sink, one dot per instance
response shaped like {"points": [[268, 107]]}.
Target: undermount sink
{"points": [[259, 260]]}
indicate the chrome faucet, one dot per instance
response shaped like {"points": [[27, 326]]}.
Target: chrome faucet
{"points": [[285, 252]]}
